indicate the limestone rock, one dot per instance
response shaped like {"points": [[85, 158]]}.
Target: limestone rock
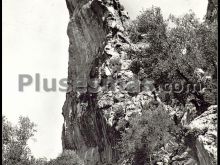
{"points": [[94, 29], [207, 143]]}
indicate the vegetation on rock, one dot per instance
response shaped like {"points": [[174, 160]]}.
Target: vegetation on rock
{"points": [[185, 53], [182, 51]]}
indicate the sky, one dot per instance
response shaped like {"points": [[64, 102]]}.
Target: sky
{"points": [[35, 41], [176, 7]]}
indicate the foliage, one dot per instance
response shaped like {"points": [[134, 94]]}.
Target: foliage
{"points": [[176, 52], [192, 45], [7, 131], [150, 22], [16, 151], [135, 66], [40, 161], [175, 55], [14, 139], [147, 134], [150, 27], [68, 157]]}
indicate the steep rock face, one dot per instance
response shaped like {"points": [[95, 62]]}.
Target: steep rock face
{"points": [[201, 137], [206, 144], [103, 92], [95, 29], [212, 10]]}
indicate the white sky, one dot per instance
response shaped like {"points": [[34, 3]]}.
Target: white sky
{"points": [[35, 41], [177, 7]]}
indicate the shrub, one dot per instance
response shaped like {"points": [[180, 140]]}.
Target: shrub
{"points": [[68, 157], [135, 66], [147, 134]]}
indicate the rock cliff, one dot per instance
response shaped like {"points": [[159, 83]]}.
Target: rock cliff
{"points": [[212, 10], [103, 90], [96, 33]]}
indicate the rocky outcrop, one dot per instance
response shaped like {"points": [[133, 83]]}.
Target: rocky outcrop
{"points": [[101, 87], [212, 10], [206, 143], [85, 129]]}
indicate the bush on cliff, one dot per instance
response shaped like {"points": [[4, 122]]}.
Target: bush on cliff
{"points": [[146, 135]]}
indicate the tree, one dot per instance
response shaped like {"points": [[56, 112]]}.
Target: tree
{"points": [[7, 131], [15, 138], [192, 45], [150, 27], [176, 53]]}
